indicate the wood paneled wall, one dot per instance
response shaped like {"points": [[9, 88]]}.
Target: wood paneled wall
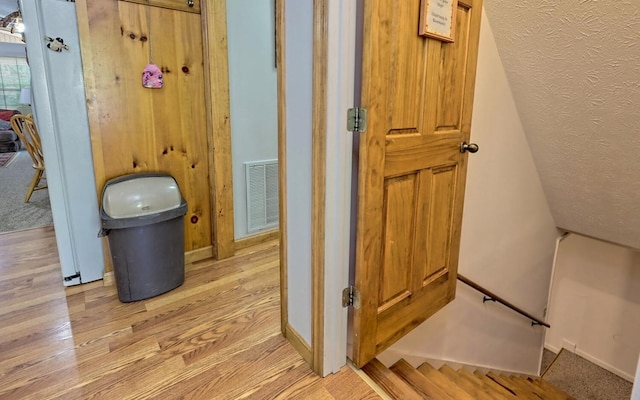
{"points": [[134, 129]]}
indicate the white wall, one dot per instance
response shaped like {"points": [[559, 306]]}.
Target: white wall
{"points": [[253, 92], [299, 77], [507, 245], [595, 303]]}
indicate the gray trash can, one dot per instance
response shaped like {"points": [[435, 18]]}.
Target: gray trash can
{"points": [[142, 215]]}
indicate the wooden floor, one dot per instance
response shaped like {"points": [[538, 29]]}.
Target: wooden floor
{"points": [[215, 337]]}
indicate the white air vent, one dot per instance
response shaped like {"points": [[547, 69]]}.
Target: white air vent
{"points": [[262, 195]]}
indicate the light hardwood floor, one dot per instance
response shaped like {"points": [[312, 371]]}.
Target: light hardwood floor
{"points": [[215, 337]]}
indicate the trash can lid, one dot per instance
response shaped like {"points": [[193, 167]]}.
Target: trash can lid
{"points": [[135, 196]]}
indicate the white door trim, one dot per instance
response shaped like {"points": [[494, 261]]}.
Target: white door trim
{"points": [[70, 179], [340, 96]]}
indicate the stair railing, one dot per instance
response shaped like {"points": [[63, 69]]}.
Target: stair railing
{"points": [[490, 296]]}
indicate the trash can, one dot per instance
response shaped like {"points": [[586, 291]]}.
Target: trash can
{"points": [[142, 216]]}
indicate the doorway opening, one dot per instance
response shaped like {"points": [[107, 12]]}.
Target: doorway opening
{"points": [[16, 165]]}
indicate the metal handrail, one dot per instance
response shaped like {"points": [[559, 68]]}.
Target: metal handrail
{"points": [[494, 297]]}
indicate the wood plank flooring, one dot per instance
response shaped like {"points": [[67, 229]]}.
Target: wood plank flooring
{"points": [[215, 337]]}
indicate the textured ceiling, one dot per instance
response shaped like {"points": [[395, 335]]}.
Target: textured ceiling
{"points": [[574, 69]]}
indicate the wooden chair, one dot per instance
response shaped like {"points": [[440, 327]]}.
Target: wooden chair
{"points": [[26, 130]]}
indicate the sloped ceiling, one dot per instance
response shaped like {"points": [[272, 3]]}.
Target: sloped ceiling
{"points": [[574, 70]]}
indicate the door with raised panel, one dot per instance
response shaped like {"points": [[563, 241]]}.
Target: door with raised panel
{"points": [[419, 94]]}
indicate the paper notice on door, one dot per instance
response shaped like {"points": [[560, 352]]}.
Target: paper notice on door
{"points": [[437, 19]]}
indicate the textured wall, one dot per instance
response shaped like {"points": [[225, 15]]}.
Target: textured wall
{"points": [[596, 311], [574, 69]]}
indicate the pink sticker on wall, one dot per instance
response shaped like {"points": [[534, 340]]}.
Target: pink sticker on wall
{"points": [[152, 77]]}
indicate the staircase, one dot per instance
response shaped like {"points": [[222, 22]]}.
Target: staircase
{"points": [[403, 381]]}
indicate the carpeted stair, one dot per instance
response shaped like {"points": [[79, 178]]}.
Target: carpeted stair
{"points": [[404, 382]]}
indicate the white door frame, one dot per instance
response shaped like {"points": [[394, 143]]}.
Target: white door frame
{"points": [[66, 145], [340, 88], [326, 268]]}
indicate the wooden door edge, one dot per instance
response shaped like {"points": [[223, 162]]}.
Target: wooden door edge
{"points": [[282, 162], [318, 185], [216, 72]]}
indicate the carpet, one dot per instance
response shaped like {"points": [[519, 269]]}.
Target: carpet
{"points": [[547, 359], [584, 380], [6, 158], [15, 214]]}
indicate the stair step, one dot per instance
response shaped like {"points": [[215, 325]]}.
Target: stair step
{"points": [[476, 389], [521, 390], [520, 386], [395, 386], [404, 382], [419, 382], [507, 384], [497, 391], [496, 387], [444, 382], [556, 392], [533, 387], [530, 386]]}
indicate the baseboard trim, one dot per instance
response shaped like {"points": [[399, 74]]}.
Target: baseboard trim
{"points": [[108, 279], [552, 349], [257, 239], [69, 290], [299, 344], [198, 255]]}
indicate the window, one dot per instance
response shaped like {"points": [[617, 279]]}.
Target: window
{"points": [[14, 75]]}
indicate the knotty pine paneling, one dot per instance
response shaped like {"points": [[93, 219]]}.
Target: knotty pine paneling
{"points": [[134, 129]]}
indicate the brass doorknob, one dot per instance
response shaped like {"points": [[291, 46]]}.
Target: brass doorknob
{"points": [[470, 147]]}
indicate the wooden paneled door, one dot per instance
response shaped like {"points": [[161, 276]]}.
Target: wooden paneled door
{"points": [[419, 97], [136, 129]]}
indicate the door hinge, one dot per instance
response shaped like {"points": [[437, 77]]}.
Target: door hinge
{"points": [[357, 119], [71, 277], [350, 297]]}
